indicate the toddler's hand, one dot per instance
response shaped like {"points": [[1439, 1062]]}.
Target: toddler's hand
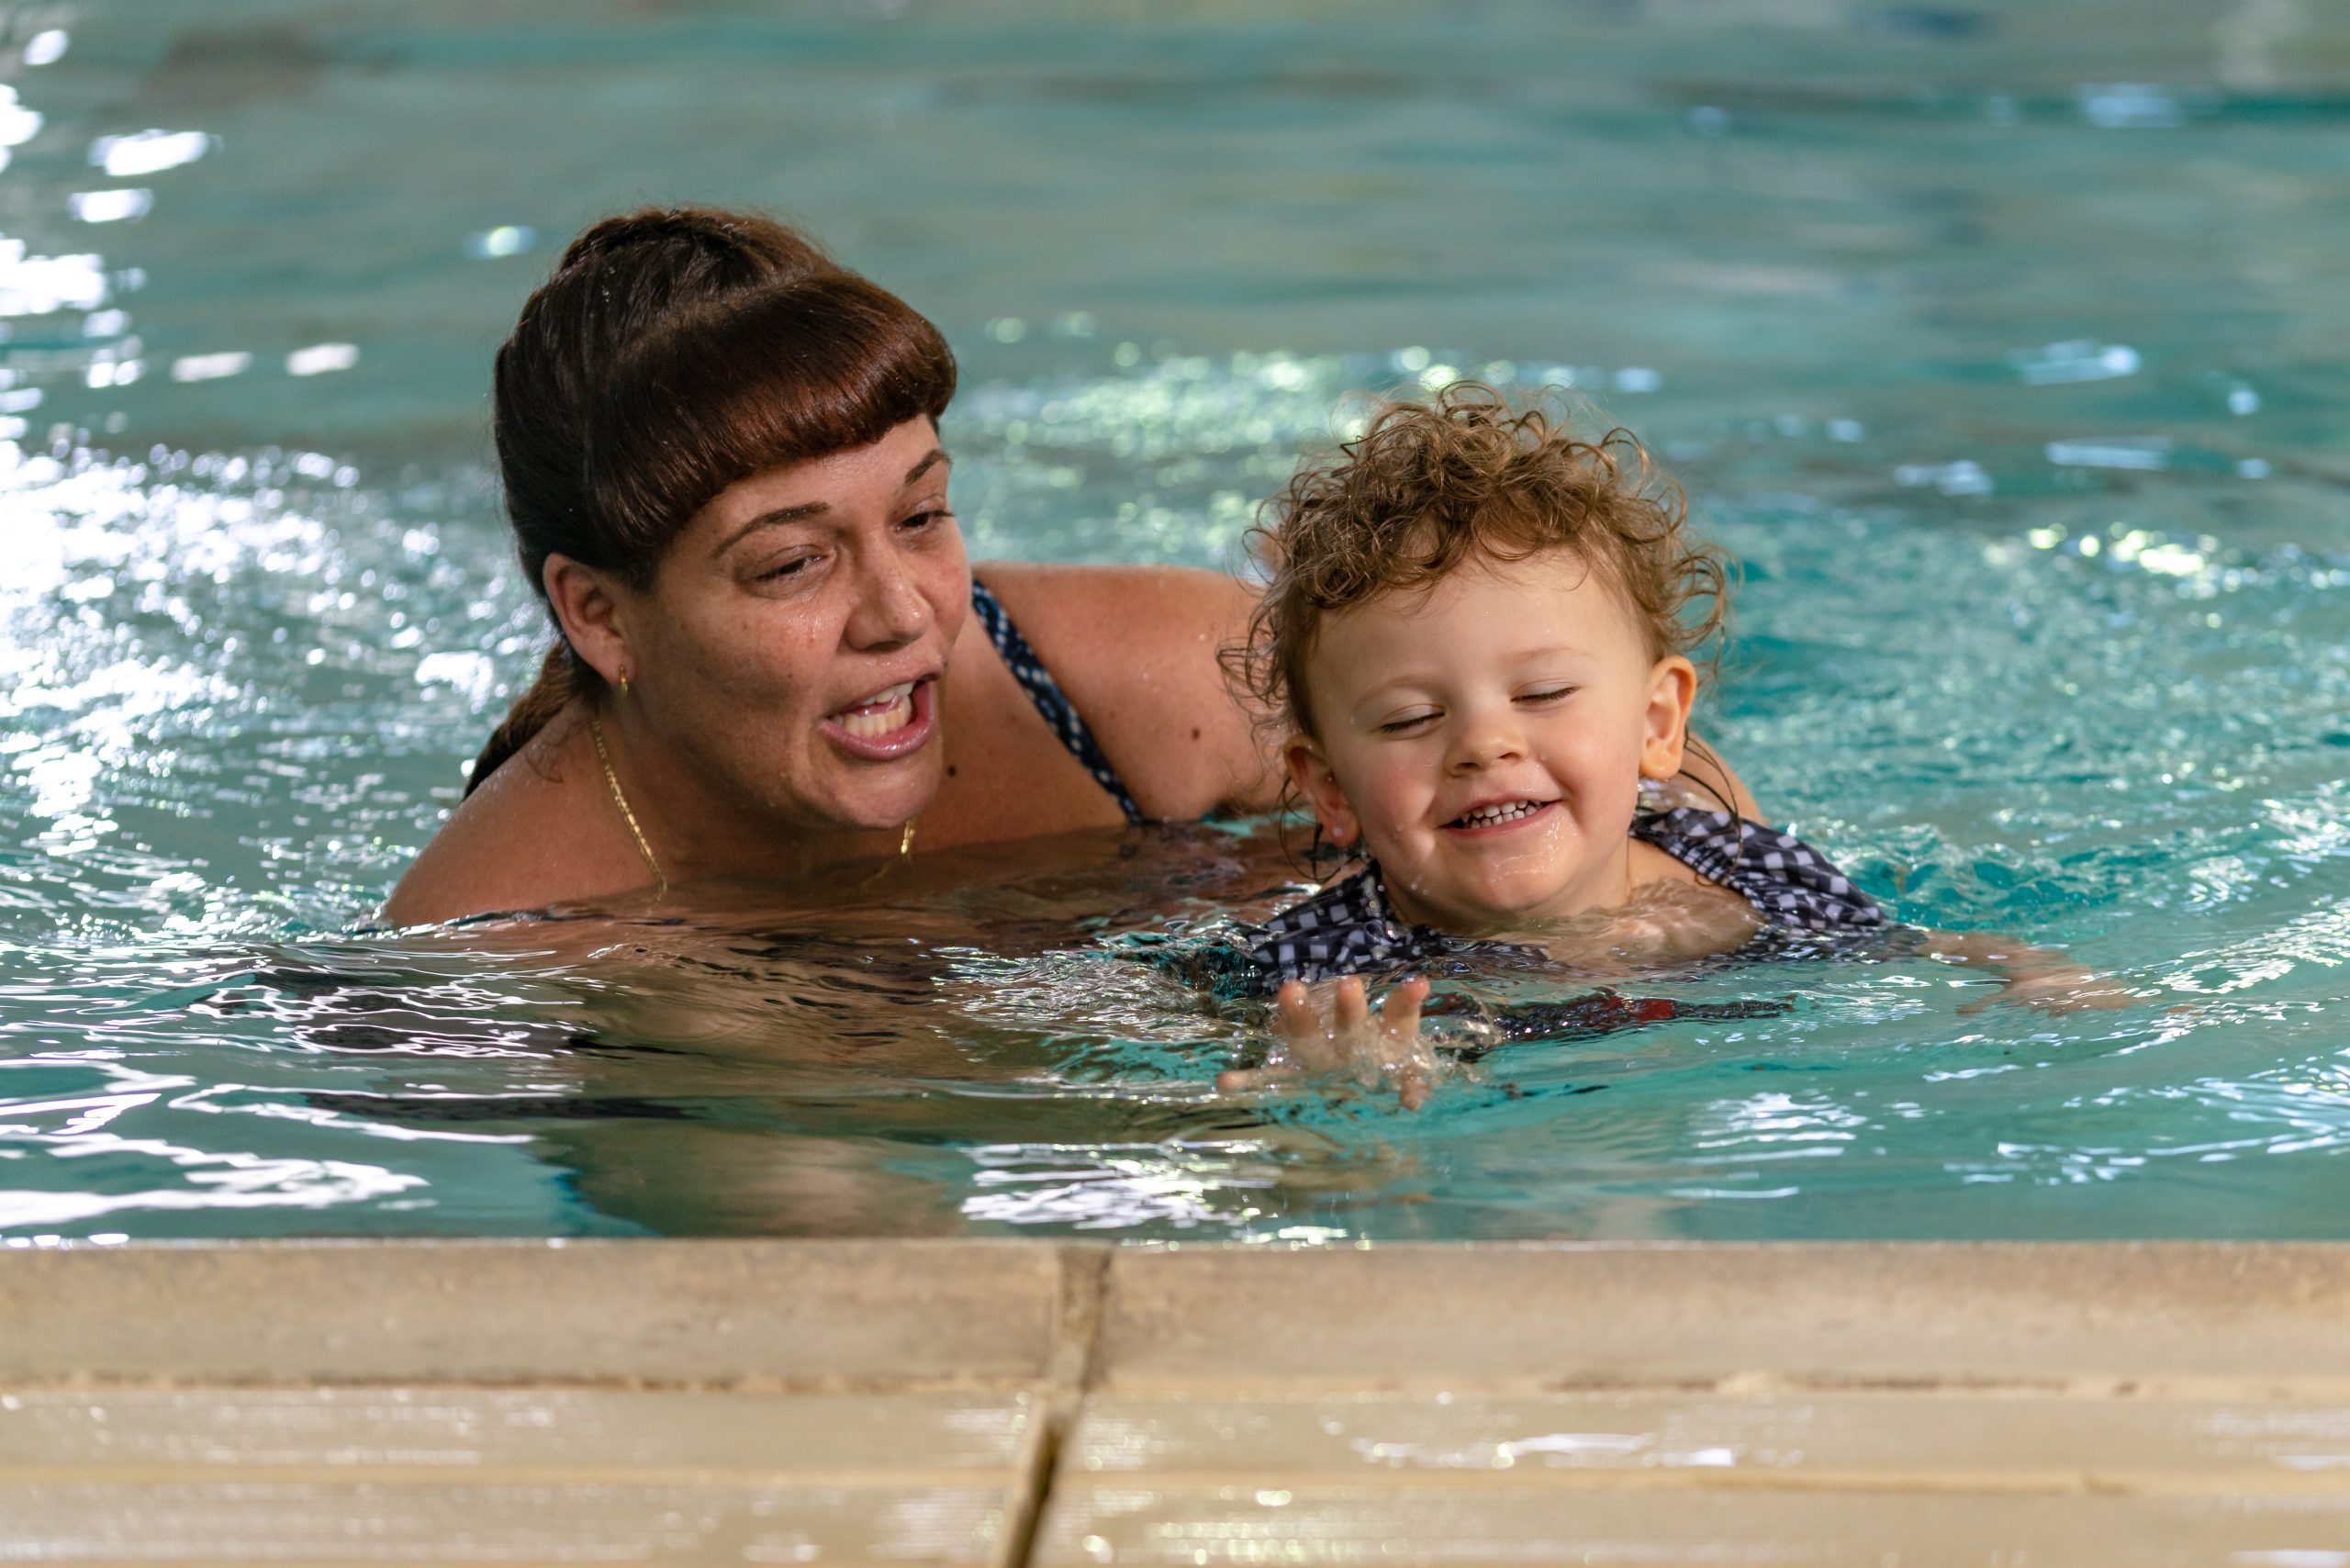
{"points": [[1371, 1049], [2033, 976]]}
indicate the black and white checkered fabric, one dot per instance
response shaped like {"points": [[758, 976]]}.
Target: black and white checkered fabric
{"points": [[1350, 928], [1788, 882]]}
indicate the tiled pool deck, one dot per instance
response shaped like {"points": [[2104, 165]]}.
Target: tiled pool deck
{"points": [[679, 1402]]}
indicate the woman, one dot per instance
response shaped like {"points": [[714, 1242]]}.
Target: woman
{"points": [[721, 461]]}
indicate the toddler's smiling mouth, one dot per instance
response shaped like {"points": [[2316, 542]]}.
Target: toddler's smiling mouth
{"points": [[1498, 815]]}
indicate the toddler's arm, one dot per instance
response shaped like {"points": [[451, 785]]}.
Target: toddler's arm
{"points": [[2031, 975]]}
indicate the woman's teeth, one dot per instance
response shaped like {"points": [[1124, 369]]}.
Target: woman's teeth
{"points": [[1487, 816], [882, 713]]}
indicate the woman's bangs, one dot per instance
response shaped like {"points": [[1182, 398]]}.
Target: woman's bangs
{"points": [[823, 365]]}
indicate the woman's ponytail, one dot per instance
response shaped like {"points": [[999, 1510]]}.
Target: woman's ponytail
{"points": [[559, 681]]}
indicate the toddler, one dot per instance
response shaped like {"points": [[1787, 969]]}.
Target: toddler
{"points": [[1478, 630]]}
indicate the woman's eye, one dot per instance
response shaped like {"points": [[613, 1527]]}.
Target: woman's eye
{"points": [[787, 569]]}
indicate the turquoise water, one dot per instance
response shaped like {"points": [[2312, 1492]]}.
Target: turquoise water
{"points": [[2004, 343]]}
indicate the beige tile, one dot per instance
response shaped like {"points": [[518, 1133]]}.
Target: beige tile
{"points": [[1429, 1316], [477, 1434], [1464, 1526], [1955, 1440], [192, 1525], [617, 1311], [2101, 1406]]}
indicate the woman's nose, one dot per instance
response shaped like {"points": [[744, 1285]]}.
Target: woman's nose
{"points": [[891, 610]]}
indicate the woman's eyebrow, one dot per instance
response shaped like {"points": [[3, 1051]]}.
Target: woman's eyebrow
{"points": [[799, 513], [807, 510]]}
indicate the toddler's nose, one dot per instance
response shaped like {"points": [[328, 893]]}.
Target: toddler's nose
{"points": [[1485, 741]]}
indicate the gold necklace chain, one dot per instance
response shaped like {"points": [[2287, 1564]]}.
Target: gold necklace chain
{"points": [[619, 798], [596, 730]]}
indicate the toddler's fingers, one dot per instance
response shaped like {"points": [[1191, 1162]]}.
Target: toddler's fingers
{"points": [[1400, 1014], [1415, 1081], [1241, 1079], [1293, 1012], [1352, 1010]]}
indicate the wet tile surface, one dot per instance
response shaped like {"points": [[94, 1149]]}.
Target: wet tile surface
{"points": [[666, 1312], [1991, 1441], [363, 1521], [2095, 1407], [1429, 1316], [1142, 1524], [1787, 1476], [454, 1474], [406, 1433], [1879, 1406]]}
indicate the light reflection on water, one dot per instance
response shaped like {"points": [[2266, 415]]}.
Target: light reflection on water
{"points": [[2000, 388]]}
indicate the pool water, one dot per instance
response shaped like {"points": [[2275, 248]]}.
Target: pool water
{"points": [[2003, 342]]}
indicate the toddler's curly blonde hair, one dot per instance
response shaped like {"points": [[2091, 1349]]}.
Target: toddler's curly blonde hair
{"points": [[1429, 487]]}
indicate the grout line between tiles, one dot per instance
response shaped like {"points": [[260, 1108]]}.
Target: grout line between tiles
{"points": [[1070, 1369]]}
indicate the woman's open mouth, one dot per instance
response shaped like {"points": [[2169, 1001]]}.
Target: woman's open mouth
{"points": [[888, 724], [1498, 817]]}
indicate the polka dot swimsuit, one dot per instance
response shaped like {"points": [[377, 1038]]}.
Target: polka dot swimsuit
{"points": [[1050, 700]]}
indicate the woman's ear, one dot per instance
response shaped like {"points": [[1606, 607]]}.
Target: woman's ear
{"points": [[1309, 771], [587, 604], [1672, 690]]}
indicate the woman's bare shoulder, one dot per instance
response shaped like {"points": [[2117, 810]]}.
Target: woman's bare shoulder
{"points": [[533, 834], [1178, 604], [1137, 650]]}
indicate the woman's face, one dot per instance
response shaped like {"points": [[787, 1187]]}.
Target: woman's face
{"points": [[792, 644]]}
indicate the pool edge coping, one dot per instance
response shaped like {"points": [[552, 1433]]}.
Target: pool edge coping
{"points": [[1004, 1312]]}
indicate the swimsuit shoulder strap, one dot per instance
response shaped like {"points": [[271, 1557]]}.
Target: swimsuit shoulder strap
{"points": [[1788, 882], [1045, 692]]}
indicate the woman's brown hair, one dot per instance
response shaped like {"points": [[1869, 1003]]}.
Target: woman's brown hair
{"points": [[674, 351]]}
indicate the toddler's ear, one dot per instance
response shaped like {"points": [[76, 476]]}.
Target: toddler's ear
{"points": [[1673, 689], [1310, 772]]}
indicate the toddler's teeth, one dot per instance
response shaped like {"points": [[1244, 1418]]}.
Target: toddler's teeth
{"points": [[1486, 816]]}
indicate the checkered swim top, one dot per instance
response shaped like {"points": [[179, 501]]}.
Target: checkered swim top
{"points": [[1350, 927]]}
